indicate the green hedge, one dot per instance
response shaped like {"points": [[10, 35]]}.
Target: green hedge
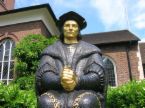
{"points": [[130, 95], [18, 94]]}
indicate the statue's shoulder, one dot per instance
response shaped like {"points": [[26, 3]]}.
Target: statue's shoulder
{"points": [[52, 48], [90, 47]]}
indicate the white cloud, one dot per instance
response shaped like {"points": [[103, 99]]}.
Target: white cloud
{"points": [[137, 14], [141, 4], [139, 21], [111, 12]]}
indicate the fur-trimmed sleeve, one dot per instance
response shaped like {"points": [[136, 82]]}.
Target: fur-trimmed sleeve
{"points": [[47, 77], [94, 74]]}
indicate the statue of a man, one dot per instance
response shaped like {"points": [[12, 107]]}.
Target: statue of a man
{"points": [[71, 72]]}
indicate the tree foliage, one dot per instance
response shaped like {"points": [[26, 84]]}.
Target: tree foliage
{"points": [[28, 52]]}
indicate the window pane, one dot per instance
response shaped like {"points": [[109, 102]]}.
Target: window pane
{"points": [[11, 70], [110, 70], [7, 43], [5, 70], [12, 51], [7, 52], [6, 57]]}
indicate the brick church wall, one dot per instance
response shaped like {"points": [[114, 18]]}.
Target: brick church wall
{"points": [[134, 61], [9, 4], [2, 8], [6, 5], [118, 54], [18, 31]]}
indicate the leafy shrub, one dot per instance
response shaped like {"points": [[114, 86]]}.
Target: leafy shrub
{"points": [[25, 83], [11, 96], [130, 95], [28, 51]]}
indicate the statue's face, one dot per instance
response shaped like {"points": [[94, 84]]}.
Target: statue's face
{"points": [[70, 29]]}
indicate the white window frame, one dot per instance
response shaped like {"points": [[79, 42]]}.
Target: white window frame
{"points": [[10, 60]]}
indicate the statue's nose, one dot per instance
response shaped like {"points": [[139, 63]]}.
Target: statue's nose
{"points": [[70, 27]]}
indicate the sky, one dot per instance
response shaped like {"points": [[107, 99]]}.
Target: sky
{"points": [[101, 15]]}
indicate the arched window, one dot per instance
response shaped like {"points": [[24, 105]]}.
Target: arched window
{"points": [[110, 68], [6, 60]]}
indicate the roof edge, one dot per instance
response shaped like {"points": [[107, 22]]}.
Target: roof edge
{"points": [[31, 8], [125, 30], [134, 35]]}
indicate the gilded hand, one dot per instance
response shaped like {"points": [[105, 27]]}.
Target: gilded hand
{"points": [[68, 79]]}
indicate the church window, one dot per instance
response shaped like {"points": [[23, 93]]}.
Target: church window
{"points": [[110, 69], [6, 60]]}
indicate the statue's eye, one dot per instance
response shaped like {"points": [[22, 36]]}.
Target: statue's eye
{"points": [[66, 25], [74, 25]]}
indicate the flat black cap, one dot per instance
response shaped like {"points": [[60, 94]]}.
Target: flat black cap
{"points": [[72, 16]]}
